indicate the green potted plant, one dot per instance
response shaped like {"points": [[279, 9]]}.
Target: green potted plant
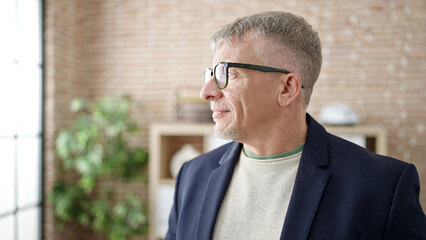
{"points": [[96, 149]]}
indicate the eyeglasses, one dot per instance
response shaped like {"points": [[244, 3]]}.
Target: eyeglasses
{"points": [[221, 74]]}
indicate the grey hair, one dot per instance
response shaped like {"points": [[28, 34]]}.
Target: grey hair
{"points": [[299, 46]]}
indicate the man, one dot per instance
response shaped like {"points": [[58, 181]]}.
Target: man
{"points": [[284, 176]]}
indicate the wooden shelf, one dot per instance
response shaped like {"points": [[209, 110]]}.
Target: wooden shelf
{"points": [[376, 136], [165, 141]]}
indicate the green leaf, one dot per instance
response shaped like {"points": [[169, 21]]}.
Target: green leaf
{"points": [[100, 210], [83, 166], [62, 144], [87, 183], [120, 210], [84, 219], [77, 105], [95, 156]]}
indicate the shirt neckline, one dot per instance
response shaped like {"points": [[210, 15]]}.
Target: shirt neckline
{"points": [[294, 151]]}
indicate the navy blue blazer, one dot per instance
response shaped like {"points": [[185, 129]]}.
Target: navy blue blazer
{"points": [[342, 191]]}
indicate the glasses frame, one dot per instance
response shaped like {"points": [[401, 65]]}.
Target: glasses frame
{"points": [[239, 65]]}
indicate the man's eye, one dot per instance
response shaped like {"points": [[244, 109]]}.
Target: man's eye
{"points": [[232, 75]]}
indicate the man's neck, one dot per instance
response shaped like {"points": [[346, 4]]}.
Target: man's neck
{"points": [[278, 139]]}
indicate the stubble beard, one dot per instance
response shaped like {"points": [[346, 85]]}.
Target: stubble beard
{"points": [[225, 131], [227, 134]]}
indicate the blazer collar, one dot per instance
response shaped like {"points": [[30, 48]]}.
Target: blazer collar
{"points": [[217, 185], [315, 151], [310, 184]]}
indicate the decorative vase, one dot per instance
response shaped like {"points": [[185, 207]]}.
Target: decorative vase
{"points": [[186, 153]]}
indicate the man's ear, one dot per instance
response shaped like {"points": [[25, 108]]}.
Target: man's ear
{"points": [[291, 86]]}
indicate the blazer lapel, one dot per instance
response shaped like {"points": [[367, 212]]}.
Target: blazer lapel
{"points": [[215, 192], [309, 186], [304, 202]]}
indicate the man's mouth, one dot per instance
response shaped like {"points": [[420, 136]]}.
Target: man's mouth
{"points": [[219, 111]]}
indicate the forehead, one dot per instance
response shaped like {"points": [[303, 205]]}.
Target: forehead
{"points": [[241, 50]]}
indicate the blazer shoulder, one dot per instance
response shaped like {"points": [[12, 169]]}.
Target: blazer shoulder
{"points": [[208, 161], [351, 154]]}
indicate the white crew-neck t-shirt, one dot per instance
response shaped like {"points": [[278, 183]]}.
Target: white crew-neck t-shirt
{"points": [[257, 199]]}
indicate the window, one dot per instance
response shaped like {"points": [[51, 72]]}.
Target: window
{"points": [[21, 119]]}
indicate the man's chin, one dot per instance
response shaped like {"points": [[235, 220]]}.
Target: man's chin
{"points": [[226, 133]]}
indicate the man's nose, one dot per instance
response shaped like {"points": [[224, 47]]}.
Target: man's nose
{"points": [[210, 91]]}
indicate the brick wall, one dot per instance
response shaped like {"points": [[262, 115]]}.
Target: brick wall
{"points": [[64, 80], [374, 60]]}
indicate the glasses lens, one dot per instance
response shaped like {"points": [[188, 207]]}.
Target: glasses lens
{"points": [[220, 75], [207, 75]]}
